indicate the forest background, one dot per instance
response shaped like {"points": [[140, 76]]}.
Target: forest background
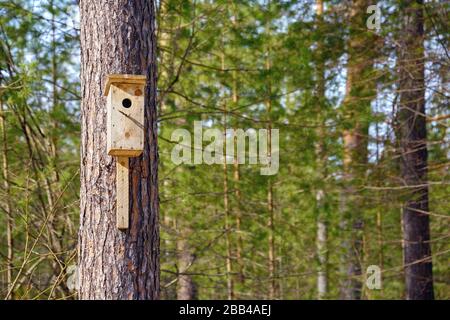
{"points": [[315, 70]]}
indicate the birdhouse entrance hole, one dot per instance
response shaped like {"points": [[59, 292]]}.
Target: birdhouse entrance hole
{"points": [[126, 103]]}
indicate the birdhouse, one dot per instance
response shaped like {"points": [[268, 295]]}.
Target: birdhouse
{"points": [[125, 114], [125, 133]]}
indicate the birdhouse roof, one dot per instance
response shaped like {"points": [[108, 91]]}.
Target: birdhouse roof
{"points": [[123, 79]]}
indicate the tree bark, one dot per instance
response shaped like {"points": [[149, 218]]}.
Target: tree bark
{"points": [[413, 161], [117, 37]]}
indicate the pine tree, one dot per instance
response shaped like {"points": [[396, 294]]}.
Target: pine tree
{"points": [[126, 263], [412, 135]]}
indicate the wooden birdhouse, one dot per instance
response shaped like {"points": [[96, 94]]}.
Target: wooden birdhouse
{"points": [[125, 114], [125, 133]]}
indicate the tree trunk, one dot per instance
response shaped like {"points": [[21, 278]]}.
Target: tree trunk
{"points": [[117, 37], [8, 205], [186, 289], [379, 218], [413, 160], [322, 234], [270, 206], [226, 206], [360, 90], [239, 241], [271, 227], [229, 265], [236, 171]]}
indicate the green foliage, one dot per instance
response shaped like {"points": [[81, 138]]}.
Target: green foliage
{"points": [[40, 107], [234, 64]]}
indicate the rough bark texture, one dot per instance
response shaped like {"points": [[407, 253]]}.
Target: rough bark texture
{"points": [[413, 148], [117, 37]]}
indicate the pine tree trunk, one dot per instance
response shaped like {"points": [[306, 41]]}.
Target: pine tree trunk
{"points": [[413, 147], [360, 89], [117, 37]]}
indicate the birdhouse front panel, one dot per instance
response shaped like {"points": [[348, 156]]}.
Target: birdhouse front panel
{"points": [[125, 118]]}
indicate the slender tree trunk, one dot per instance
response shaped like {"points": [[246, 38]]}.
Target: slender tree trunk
{"points": [[164, 73], [236, 172], [229, 267], [271, 227], [226, 206], [322, 274], [117, 37], [8, 206], [55, 99], [322, 234], [239, 242], [270, 203], [53, 181], [360, 90], [413, 161], [379, 221], [186, 289], [237, 193], [270, 208]]}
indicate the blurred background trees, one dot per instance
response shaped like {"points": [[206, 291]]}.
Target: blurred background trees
{"points": [[40, 158], [312, 69]]}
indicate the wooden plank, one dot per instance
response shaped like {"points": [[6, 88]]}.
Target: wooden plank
{"points": [[124, 79], [125, 153], [122, 193], [125, 131]]}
